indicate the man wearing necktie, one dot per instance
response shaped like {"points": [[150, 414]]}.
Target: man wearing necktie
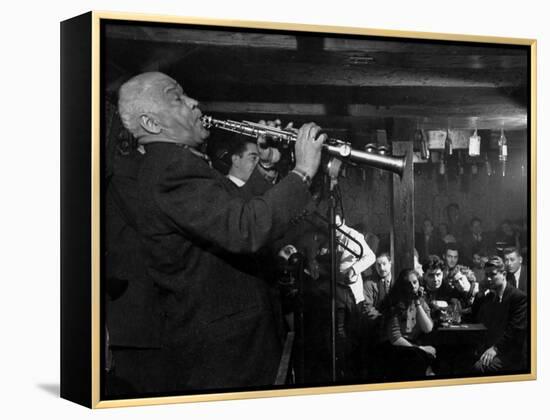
{"points": [[516, 271]]}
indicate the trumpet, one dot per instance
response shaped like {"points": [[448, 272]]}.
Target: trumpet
{"points": [[332, 146]]}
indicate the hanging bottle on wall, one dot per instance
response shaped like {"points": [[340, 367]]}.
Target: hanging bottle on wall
{"points": [[448, 145], [503, 151], [474, 144], [488, 166]]}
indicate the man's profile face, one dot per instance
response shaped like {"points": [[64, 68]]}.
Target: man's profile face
{"points": [[451, 257], [178, 114], [434, 278], [512, 262], [383, 266], [243, 164], [495, 278]]}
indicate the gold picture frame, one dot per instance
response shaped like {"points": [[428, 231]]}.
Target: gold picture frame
{"points": [[83, 56]]}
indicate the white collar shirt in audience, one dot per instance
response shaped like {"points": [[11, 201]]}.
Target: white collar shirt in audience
{"points": [[517, 275]]}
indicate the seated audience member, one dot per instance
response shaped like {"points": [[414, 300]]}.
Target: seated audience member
{"points": [[450, 257], [427, 242], [479, 258], [454, 220], [438, 293], [378, 286], [444, 235], [516, 271], [503, 310], [474, 238], [505, 237], [407, 319], [465, 285]]}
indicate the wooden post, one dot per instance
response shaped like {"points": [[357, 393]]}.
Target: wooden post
{"points": [[402, 227]]}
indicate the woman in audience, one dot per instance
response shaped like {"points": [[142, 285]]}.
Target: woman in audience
{"points": [[407, 320]]}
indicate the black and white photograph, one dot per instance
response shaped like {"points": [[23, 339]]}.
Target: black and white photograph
{"points": [[305, 207]]}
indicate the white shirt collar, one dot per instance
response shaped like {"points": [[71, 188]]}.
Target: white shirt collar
{"points": [[237, 181], [517, 274]]}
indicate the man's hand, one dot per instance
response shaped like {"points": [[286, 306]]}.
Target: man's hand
{"points": [[429, 349], [308, 149], [463, 285], [488, 356]]}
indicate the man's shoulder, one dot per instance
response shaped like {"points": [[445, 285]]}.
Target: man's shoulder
{"points": [[170, 155], [372, 281], [516, 294]]}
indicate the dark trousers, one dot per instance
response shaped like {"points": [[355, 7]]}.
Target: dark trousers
{"points": [[404, 363]]}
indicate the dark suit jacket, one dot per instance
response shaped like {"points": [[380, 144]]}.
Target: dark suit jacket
{"points": [[200, 236], [506, 322], [375, 296], [522, 279], [132, 311]]}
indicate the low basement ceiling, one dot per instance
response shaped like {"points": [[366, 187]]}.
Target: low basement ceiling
{"points": [[351, 85]]}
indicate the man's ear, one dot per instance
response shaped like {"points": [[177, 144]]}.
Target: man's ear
{"points": [[234, 160], [149, 124]]}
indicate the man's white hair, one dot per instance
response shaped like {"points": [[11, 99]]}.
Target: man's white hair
{"points": [[141, 95]]}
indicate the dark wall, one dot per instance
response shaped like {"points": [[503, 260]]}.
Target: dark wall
{"points": [[492, 198]]}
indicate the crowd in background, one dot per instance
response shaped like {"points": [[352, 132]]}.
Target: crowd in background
{"points": [[462, 275]]}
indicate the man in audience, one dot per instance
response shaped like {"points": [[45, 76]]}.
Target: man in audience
{"points": [[503, 310], [474, 239], [454, 221], [244, 158], [479, 258], [377, 287], [439, 293], [516, 271], [427, 242], [450, 255]]}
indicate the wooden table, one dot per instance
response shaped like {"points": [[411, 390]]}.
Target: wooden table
{"points": [[462, 328]]}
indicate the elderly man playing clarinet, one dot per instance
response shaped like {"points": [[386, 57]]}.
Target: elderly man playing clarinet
{"points": [[200, 238]]}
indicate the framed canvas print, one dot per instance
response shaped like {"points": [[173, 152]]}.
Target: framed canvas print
{"points": [[255, 209]]}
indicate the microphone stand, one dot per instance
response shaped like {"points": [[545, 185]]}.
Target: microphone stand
{"points": [[333, 169], [299, 318]]}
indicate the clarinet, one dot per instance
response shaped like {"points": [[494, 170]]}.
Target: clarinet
{"points": [[332, 146]]}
